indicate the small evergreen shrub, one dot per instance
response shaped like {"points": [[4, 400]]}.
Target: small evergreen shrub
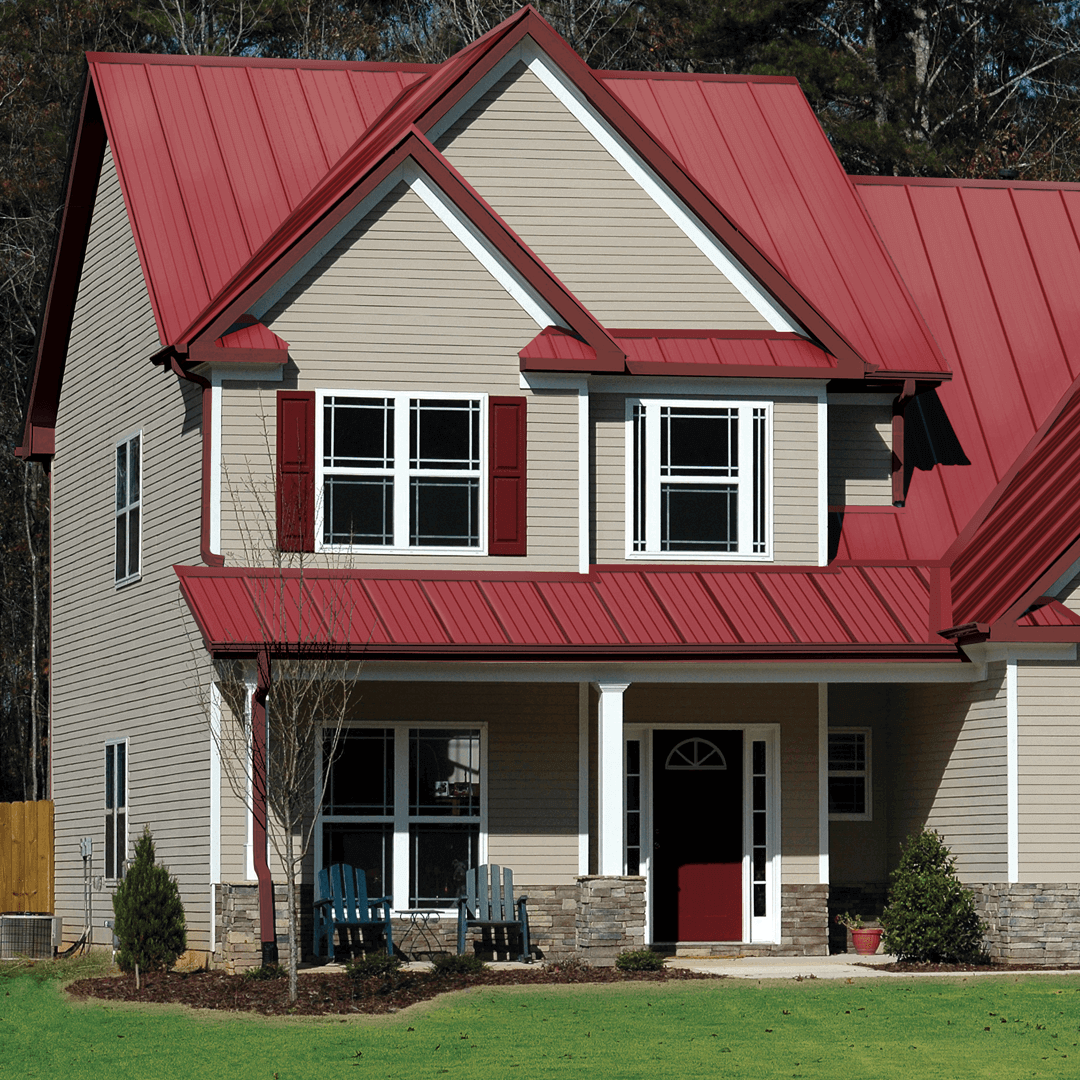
{"points": [[452, 964], [930, 916], [267, 971], [149, 920], [376, 966], [639, 960], [574, 966]]}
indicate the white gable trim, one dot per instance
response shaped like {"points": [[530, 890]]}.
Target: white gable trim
{"points": [[544, 68], [477, 244]]}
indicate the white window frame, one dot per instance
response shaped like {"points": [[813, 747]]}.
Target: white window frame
{"points": [[400, 891], [652, 551], [866, 772], [401, 472], [123, 515], [120, 843]]}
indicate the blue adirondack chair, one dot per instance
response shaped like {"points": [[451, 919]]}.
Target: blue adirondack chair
{"points": [[343, 902], [489, 902]]}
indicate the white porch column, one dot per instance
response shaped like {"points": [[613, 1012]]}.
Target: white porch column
{"points": [[823, 783], [609, 794]]}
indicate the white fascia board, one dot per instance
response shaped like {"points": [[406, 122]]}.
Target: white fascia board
{"points": [[542, 66], [675, 386], [674, 673], [463, 229], [987, 652]]}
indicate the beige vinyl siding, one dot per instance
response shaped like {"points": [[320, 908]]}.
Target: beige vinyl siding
{"points": [[858, 850], [584, 216], [794, 708], [1048, 760], [860, 455], [401, 304], [531, 769], [121, 663], [949, 771], [794, 495]]}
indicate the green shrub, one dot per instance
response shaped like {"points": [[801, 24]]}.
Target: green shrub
{"points": [[376, 966], [267, 971], [574, 966], [930, 916], [452, 964], [639, 960], [149, 915]]}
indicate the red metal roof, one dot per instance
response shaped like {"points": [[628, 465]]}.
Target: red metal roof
{"points": [[993, 267], [858, 613], [756, 148]]}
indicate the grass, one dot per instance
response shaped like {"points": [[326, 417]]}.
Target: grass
{"points": [[999, 1027]]}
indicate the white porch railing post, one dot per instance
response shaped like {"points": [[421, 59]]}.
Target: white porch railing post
{"points": [[610, 778]]}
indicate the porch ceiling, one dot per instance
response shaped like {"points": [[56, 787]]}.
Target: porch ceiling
{"points": [[856, 613]]}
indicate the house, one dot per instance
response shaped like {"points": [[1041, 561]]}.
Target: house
{"points": [[694, 521]]}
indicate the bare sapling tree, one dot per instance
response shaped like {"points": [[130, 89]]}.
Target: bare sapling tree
{"points": [[301, 684]]}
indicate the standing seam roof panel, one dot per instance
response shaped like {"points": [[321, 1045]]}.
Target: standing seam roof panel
{"points": [[521, 612], [463, 609], [691, 607], [579, 612], [152, 194], [637, 614], [748, 608], [406, 612], [802, 606]]}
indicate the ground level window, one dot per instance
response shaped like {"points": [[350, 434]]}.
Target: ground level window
{"points": [[403, 802], [115, 809], [849, 774]]}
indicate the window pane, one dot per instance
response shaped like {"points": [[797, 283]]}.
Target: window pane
{"points": [[444, 772], [358, 433], [133, 469], [121, 476], [847, 795], [369, 847], [444, 512], [439, 857], [641, 474], [445, 435], [358, 511], [759, 901], [698, 518], [110, 776], [121, 849], [110, 846], [362, 773], [121, 547], [695, 442], [133, 541], [847, 751], [121, 774]]}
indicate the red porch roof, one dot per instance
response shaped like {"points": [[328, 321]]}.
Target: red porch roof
{"points": [[864, 613]]}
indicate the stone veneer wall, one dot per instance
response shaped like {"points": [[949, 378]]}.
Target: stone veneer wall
{"points": [[804, 917], [1031, 924], [596, 918]]}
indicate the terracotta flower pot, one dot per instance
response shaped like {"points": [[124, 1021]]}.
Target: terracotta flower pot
{"points": [[867, 939]]}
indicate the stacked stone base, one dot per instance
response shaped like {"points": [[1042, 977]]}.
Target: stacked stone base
{"points": [[1031, 924], [596, 918]]}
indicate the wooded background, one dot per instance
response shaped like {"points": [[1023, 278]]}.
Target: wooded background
{"points": [[926, 87]]}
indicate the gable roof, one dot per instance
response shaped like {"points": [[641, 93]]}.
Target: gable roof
{"points": [[206, 206]]}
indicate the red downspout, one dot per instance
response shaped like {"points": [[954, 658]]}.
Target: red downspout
{"points": [[258, 809], [209, 558]]}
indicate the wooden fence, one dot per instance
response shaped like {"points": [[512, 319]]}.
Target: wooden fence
{"points": [[26, 856]]}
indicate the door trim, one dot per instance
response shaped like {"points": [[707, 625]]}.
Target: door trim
{"points": [[757, 930]]}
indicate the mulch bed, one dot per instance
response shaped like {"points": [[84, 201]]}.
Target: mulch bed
{"points": [[911, 968], [333, 994]]}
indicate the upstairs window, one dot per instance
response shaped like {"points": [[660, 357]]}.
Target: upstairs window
{"points": [[128, 509], [698, 479], [402, 471]]}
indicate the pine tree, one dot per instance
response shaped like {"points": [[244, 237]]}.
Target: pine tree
{"points": [[930, 916], [149, 915]]}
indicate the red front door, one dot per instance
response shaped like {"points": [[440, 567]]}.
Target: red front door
{"points": [[697, 854]]}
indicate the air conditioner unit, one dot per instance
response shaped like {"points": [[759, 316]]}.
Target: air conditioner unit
{"points": [[29, 936]]}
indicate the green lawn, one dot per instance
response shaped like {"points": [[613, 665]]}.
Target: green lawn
{"points": [[994, 1027]]}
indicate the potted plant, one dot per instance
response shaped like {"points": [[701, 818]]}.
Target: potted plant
{"points": [[865, 938]]}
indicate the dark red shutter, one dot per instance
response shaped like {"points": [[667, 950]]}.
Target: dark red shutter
{"points": [[296, 470], [506, 463]]}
